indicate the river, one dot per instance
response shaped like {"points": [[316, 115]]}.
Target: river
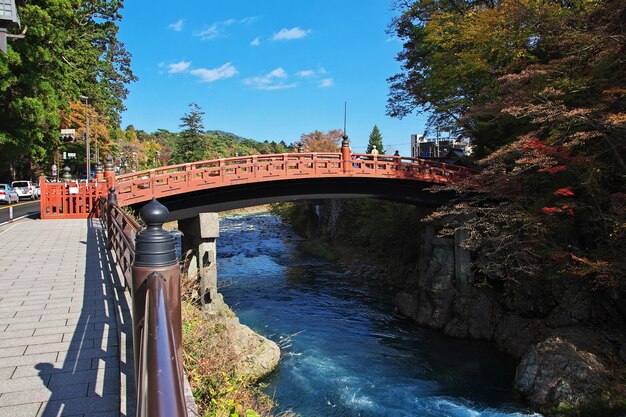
{"points": [[343, 352]]}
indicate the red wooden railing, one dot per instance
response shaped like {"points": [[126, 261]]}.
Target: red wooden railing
{"points": [[59, 202]]}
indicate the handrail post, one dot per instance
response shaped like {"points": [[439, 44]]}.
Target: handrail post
{"points": [[155, 251], [109, 171], [111, 201], [346, 160]]}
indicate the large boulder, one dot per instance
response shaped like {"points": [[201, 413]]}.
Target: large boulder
{"points": [[557, 372]]}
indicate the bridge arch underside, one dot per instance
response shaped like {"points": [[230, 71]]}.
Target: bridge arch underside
{"points": [[190, 204]]}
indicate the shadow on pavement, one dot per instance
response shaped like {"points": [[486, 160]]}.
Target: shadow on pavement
{"points": [[95, 368]]}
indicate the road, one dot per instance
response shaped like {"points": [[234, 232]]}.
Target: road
{"points": [[21, 209]]}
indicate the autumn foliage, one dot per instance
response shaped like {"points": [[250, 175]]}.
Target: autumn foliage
{"points": [[540, 89]]}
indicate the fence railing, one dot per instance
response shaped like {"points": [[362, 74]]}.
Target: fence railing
{"points": [[147, 258], [70, 200]]}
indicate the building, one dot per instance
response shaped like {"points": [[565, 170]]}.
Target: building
{"points": [[434, 148]]}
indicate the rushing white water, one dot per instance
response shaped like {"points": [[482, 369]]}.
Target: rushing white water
{"points": [[343, 352]]}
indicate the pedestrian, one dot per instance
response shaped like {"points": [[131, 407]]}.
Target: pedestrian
{"points": [[396, 153], [374, 150]]}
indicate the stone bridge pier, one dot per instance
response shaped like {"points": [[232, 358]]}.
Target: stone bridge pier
{"points": [[199, 236]]}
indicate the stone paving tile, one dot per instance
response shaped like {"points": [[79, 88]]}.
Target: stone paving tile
{"points": [[59, 347], [53, 368], [32, 340], [21, 410], [48, 314], [27, 359], [37, 325], [44, 394], [6, 373], [81, 406], [61, 329], [24, 384]]}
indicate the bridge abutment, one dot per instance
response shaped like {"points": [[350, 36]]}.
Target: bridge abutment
{"points": [[199, 240]]}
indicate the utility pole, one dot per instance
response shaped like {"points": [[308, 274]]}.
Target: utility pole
{"points": [[87, 154]]}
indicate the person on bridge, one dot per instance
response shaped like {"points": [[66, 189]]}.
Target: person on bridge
{"points": [[396, 153], [374, 150]]}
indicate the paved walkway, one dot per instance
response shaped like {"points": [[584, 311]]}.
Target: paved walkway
{"points": [[63, 318]]}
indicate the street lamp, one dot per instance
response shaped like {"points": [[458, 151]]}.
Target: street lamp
{"points": [[88, 156]]}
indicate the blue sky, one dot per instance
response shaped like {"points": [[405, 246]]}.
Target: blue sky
{"points": [[266, 70]]}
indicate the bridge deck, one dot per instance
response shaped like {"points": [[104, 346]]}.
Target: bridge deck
{"points": [[64, 323]]}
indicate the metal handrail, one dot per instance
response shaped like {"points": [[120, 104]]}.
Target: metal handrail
{"points": [[159, 387], [122, 242], [156, 319]]}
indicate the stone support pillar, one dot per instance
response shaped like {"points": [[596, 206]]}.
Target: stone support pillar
{"points": [[313, 219], [200, 235], [425, 249], [462, 262]]}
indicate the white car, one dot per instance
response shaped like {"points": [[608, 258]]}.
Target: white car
{"points": [[25, 189], [8, 194]]}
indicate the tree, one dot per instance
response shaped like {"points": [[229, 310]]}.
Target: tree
{"points": [[318, 141], [540, 88], [192, 144], [71, 48], [376, 139]]}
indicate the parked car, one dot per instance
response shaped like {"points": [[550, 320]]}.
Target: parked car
{"points": [[25, 189], [36, 190], [8, 195]]}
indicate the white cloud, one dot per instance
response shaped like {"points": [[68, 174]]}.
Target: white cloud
{"points": [[289, 34], [306, 74], [277, 73], [274, 80], [256, 41], [176, 26], [210, 75], [211, 32], [248, 20], [326, 83], [177, 67], [218, 29]]}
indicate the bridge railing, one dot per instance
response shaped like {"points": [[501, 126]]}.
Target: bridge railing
{"points": [[77, 199], [176, 179], [147, 258], [69, 200]]}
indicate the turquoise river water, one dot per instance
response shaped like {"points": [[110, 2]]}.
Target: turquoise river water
{"points": [[343, 352]]}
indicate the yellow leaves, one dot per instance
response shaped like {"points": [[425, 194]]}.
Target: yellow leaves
{"points": [[616, 119]]}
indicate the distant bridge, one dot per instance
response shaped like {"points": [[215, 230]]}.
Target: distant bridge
{"points": [[226, 183]]}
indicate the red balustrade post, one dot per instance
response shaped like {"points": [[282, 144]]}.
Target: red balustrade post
{"points": [[109, 171], [99, 172], [346, 159]]}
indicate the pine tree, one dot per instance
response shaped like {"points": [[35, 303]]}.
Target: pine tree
{"points": [[376, 139], [192, 144]]}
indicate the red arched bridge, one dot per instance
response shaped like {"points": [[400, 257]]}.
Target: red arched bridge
{"points": [[226, 183]]}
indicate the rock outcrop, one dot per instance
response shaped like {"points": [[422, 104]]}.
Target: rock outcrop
{"points": [[543, 323]]}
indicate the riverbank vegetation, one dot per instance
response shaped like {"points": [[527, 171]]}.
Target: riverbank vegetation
{"points": [[216, 363], [210, 361]]}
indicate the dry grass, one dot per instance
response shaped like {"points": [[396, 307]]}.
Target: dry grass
{"points": [[209, 360]]}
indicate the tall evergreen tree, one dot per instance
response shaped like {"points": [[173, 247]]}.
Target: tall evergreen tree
{"points": [[376, 139], [70, 49], [192, 144]]}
